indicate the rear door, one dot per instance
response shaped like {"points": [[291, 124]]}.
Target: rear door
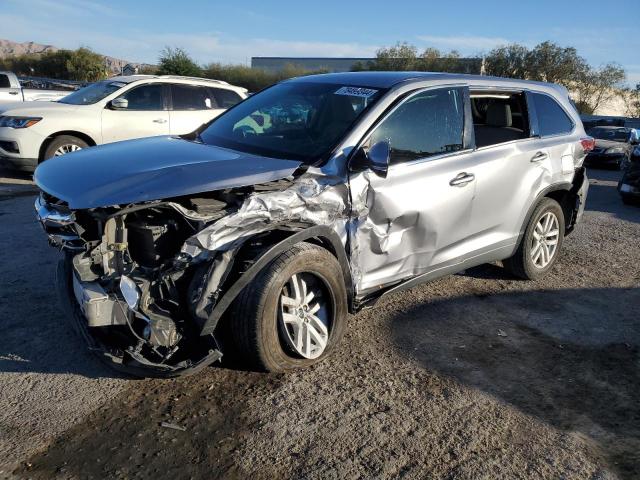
{"points": [[145, 116], [418, 216], [191, 106], [8, 92], [518, 156]]}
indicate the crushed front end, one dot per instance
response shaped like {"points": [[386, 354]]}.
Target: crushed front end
{"points": [[123, 281], [142, 281]]}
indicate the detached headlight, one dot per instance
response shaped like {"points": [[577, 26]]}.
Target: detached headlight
{"points": [[18, 122], [614, 150]]}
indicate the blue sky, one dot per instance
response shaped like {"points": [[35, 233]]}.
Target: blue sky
{"points": [[234, 31]]}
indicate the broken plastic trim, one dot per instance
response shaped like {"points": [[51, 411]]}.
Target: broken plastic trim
{"points": [[136, 366]]}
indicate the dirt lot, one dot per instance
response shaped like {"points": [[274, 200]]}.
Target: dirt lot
{"points": [[477, 375]]}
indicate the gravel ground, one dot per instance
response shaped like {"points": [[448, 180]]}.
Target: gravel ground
{"points": [[476, 375], [49, 381]]}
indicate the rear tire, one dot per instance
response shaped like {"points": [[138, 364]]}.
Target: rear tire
{"points": [[262, 317], [63, 144], [540, 246]]}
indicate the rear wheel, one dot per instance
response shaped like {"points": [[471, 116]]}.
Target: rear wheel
{"points": [[540, 246], [293, 313], [62, 145]]}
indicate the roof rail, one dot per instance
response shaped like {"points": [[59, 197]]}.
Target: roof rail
{"points": [[200, 79]]}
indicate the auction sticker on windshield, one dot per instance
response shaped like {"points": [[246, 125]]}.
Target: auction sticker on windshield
{"points": [[356, 92]]}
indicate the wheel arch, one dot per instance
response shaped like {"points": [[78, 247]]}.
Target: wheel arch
{"points": [[278, 240], [73, 133], [558, 192]]}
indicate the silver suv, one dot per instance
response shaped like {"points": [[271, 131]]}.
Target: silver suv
{"points": [[314, 198]]}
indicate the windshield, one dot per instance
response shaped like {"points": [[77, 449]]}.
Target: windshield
{"points": [[292, 120], [92, 93], [614, 134]]}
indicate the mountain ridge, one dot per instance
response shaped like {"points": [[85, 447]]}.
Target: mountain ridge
{"points": [[9, 48]]}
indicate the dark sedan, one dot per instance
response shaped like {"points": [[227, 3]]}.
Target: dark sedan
{"points": [[613, 146], [629, 186]]}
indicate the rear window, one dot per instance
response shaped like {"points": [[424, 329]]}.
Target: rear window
{"points": [[225, 98], [191, 97], [4, 81], [552, 119]]}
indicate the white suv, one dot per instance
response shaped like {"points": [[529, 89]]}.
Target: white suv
{"points": [[121, 108]]}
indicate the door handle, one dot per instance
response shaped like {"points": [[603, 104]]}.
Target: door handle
{"points": [[159, 120], [13, 93], [538, 157], [462, 179]]}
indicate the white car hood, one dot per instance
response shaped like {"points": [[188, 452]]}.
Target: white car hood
{"points": [[35, 109]]}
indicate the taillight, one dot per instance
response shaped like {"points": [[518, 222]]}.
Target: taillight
{"points": [[588, 144]]}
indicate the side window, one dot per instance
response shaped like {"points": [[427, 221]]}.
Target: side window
{"points": [[427, 124], [552, 119], [4, 81], [499, 117], [191, 97], [145, 97], [225, 98]]}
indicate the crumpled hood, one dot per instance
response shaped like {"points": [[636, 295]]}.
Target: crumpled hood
{"points": [[152, 169]]}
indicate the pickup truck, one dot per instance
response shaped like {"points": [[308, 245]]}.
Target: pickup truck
{"points": [[12, 91]]}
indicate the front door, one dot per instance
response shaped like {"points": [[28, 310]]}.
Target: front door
{"points": [[144, 116], [417, 218]]}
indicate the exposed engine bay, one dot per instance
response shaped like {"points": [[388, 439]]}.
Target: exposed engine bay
{"points": [[138, 291]]}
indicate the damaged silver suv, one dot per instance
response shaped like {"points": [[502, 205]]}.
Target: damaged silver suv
{"points": [[308, 201]]}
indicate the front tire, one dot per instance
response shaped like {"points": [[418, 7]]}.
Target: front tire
{"points": [[541, 244], [62, 145], [294, 313]]}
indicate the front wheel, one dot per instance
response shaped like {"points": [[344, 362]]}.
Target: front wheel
{"points": [[293, 313], [540, 246], [62, 145]]}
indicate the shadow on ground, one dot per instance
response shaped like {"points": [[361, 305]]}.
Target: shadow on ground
{"points": [[36, 336], [568, 357]]}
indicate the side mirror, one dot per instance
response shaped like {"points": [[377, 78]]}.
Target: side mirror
{"points": [[119, 104], [378, 158]]}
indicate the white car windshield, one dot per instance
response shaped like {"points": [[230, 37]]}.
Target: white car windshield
{"points": [[92, 93]]}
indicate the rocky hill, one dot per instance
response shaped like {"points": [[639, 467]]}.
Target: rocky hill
{"points": [[9, 48]]}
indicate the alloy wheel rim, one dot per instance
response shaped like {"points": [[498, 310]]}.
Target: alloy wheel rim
{"points": [[305, 315], [544, 243], [66, 148]]}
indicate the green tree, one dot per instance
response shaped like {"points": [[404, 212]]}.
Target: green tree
{"points": [[402, 56], [175, 61], [253, 79], [507, 61], [548, 62], [596, 87], [85, 65], [632, 100]]}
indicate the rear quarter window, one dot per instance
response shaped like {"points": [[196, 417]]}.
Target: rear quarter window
{"points": [[225, 98], [552, 119], [4, 81]]}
